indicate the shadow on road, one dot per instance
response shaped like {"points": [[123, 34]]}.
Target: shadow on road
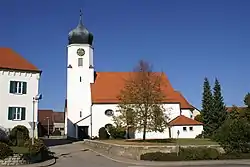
{"points": [[56, 142]]}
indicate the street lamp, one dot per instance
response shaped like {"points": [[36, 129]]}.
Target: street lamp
{"points": [[35, 99], [48, 126]]}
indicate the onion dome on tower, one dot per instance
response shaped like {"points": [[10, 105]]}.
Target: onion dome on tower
{"points": [[80, 35]]}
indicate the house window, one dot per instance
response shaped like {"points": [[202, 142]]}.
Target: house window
{"points": [[16, 113], [80, 79], [191, 128], [18, 87], [80, 62], [80, 114], [184, 128], [109, 112]]}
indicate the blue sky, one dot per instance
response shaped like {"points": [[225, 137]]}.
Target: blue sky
{"points": [[188, 40]]}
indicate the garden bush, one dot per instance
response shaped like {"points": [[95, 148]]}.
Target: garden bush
{"points": [[19, 135], [200, 153], [38, 147], [5, 150], [103, 134], [117, 132], [160, 156], [4, 138]]}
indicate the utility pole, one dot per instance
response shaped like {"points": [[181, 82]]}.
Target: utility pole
{"points": [[35, 99], [33, 120]]}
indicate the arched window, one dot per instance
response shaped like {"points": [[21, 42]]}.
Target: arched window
{"points": [[109, 112], [108, 126]]}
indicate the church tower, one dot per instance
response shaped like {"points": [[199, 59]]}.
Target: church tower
{"points": [[80, 76]]}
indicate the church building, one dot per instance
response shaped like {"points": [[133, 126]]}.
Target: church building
{"points": [[91, 99]]}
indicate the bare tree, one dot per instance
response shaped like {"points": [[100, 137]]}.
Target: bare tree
{"points": [[141, 101]]}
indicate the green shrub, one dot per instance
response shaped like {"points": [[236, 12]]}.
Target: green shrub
{"points": [[103, 134], [199, 153], [234, 135], [198, 118], [57, 133], [117, 133], [38, 147], [159, 156], [19, 135], [4, 137], [200, 136], [5, 150]]}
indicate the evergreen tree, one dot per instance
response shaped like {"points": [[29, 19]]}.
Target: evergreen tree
{"points": [[219, 111], [247, 100], [207, 106]]}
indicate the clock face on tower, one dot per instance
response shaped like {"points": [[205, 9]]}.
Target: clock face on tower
{"points": [[80, 52]]}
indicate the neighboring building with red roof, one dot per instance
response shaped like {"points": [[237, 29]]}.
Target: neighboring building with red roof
{"points": [[184, 127], [52, 120], [92, 96], [19, 84]]}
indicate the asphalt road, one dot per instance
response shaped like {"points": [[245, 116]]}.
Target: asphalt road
{"points": [[73, 155], [90, 159]]}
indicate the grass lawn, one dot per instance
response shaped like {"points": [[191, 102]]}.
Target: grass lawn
{"points": [[163, 142], [20, 150]]}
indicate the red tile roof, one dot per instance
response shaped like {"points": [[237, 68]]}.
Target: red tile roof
{"points": [[9, 59], [108, 85], [58, 117], [44, 115], [182, 120], [229, 109], [54, 117]]}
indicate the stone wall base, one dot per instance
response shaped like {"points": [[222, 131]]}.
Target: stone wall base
{"points": [[135, 151]]}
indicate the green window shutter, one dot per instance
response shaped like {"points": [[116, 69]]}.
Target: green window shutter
{"points": [[12, 86], [23, 113], [24, 87], [10, 113]]}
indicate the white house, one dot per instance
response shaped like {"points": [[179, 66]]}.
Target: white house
{"points": [[19, 80], [92, 96]]}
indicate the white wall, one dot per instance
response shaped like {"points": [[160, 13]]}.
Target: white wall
{"points": [[197, 129], [196, 112], [78, 90], [7, 99], [187, 113], [99, 119]]}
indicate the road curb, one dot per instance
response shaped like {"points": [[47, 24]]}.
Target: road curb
{"points": [[175, 163]]}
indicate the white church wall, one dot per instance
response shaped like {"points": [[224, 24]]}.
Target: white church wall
{"points": [[196, 112], [99, 119], [153, 135], [187, 113], [186, 131]]}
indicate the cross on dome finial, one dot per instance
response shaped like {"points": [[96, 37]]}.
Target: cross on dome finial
{"points": [[80, 35], [80, 20]]}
